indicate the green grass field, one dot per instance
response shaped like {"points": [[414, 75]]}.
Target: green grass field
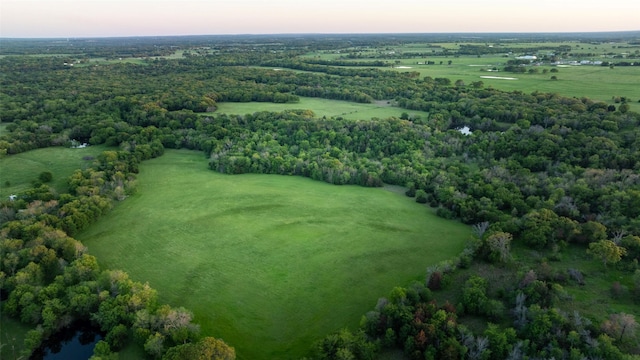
{"points": [[268, 263], [323, 107], [595, 82], [12, 334], [20, 170]]}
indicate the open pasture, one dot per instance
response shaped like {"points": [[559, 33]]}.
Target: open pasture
{"points": [[17, 172], [323, 107], [599, 83], [268, 263]]}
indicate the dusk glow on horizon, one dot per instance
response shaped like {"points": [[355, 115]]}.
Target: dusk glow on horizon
{"points": [[105, 18]]}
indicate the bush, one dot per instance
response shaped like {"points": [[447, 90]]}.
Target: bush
{"points": [[636, 287], [45, 177], [474, 295], [421, 196], [102, 351], [465, 260], [411, 192], [617, 290], [444, 213], [117, 337], [576, 275], [493, 309], [435, 281]]}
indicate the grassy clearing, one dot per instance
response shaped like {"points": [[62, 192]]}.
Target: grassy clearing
{"points": [[104, 61], [12, 334], [129, 60], [20, 170], [323, 107], [595, 297], [593, 300], [268, 263], [595, 82]]}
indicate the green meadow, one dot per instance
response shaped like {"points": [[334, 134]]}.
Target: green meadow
{"points": [[599, 83], [268, 263], [17, 172], [12, 334], [595, 82], [323, 107]]}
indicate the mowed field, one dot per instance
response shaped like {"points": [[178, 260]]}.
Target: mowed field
{"points": [[323, 107], [268, 263]]}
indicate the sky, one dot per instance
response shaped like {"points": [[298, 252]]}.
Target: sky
{"points": [[106, 18]]}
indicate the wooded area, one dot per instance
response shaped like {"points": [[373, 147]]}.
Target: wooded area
{"points": [[539, 172]]}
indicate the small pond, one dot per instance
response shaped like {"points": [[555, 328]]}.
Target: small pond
{"points": [[73, 343]]}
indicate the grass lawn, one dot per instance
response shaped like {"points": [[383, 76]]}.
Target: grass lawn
{"points": [[268, 263], [20, 170], [323, 107]]}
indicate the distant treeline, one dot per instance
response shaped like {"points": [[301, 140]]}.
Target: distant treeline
{"points": [[542, 169]]}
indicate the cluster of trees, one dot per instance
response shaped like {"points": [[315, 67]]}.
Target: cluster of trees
{"points": [[524, 316], [412, 321]]}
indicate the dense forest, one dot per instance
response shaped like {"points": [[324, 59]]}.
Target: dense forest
{"points": [[538, 171]]}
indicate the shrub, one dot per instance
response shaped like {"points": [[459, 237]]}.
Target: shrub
{"points": [[421, 196], [497, 247], [45, 177], [636, 287], [411, 192], [576, 275], [117, 337], [444, 213], [474, 295], [435, 281], [617, 290]]}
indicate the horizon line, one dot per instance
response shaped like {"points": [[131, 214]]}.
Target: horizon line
{"points": [[324, 33]]}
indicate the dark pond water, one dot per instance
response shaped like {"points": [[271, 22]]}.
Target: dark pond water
{"points": [[73, 343]]}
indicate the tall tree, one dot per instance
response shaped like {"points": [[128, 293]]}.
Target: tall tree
{"points": [[606, 251]]}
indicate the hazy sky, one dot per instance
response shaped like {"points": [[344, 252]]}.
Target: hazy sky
{"points": [[88, 18]]}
